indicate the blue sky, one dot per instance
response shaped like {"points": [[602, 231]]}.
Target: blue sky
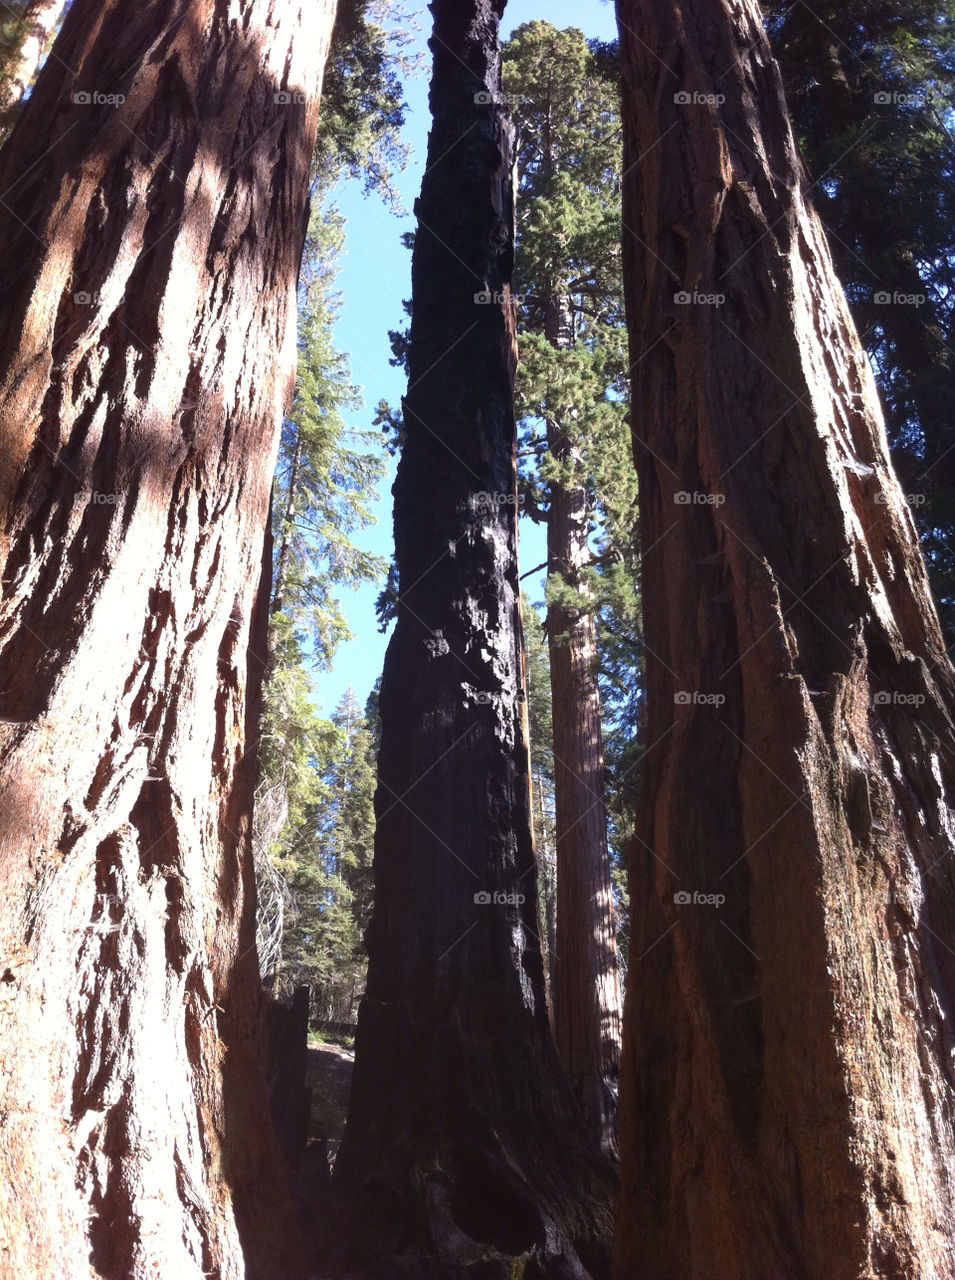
{"points": [[375, 277]]}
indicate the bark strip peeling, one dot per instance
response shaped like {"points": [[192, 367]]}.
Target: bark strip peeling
{"points": [[788, 1083], [152, 215]]}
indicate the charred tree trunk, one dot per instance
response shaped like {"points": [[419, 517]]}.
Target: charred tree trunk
{"points": [[464, 1142], [153, 218], [287, 1067], [787, 1082], [587, 998]]}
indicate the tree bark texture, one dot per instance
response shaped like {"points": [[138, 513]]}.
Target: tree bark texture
{"points": [[465, 1152], [587, 996], [153, 213], [787, 1081]]}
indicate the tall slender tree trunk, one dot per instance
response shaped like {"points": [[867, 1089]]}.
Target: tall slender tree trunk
{"points": [[288, 530], [464, 1142], [587, 996], [285, 552], [546, 861], [787, 1081], [153, 216]]}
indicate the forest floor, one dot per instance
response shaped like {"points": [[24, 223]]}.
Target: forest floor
{"points": [[329, 1079]]}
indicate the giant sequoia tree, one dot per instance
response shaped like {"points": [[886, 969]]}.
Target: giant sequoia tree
{"points": [[464, 1141], [568, 271], [788, 1075], [153, 213]]}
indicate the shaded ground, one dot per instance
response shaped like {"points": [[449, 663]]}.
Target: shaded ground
{"points": [[329, 1080]]}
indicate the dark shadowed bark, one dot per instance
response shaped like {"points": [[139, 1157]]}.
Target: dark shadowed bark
{"points": [[153, 213], [787, 1083], [287, 1069], [464, 1142]]}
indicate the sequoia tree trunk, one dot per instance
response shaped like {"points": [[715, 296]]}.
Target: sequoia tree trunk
{"points": [[153, 215], [587, 997], [464, 1144], [787, 1082]]}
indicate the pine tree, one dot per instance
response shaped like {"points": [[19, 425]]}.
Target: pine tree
{"points": [[325, 479], [326, 861]]}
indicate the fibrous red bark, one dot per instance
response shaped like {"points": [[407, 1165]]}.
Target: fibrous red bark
{"points": [[465, 1152], [787, 1084], [587, 995], [153, 213]]}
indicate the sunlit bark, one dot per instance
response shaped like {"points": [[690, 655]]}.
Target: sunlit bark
{"points": [[153, 214]]}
